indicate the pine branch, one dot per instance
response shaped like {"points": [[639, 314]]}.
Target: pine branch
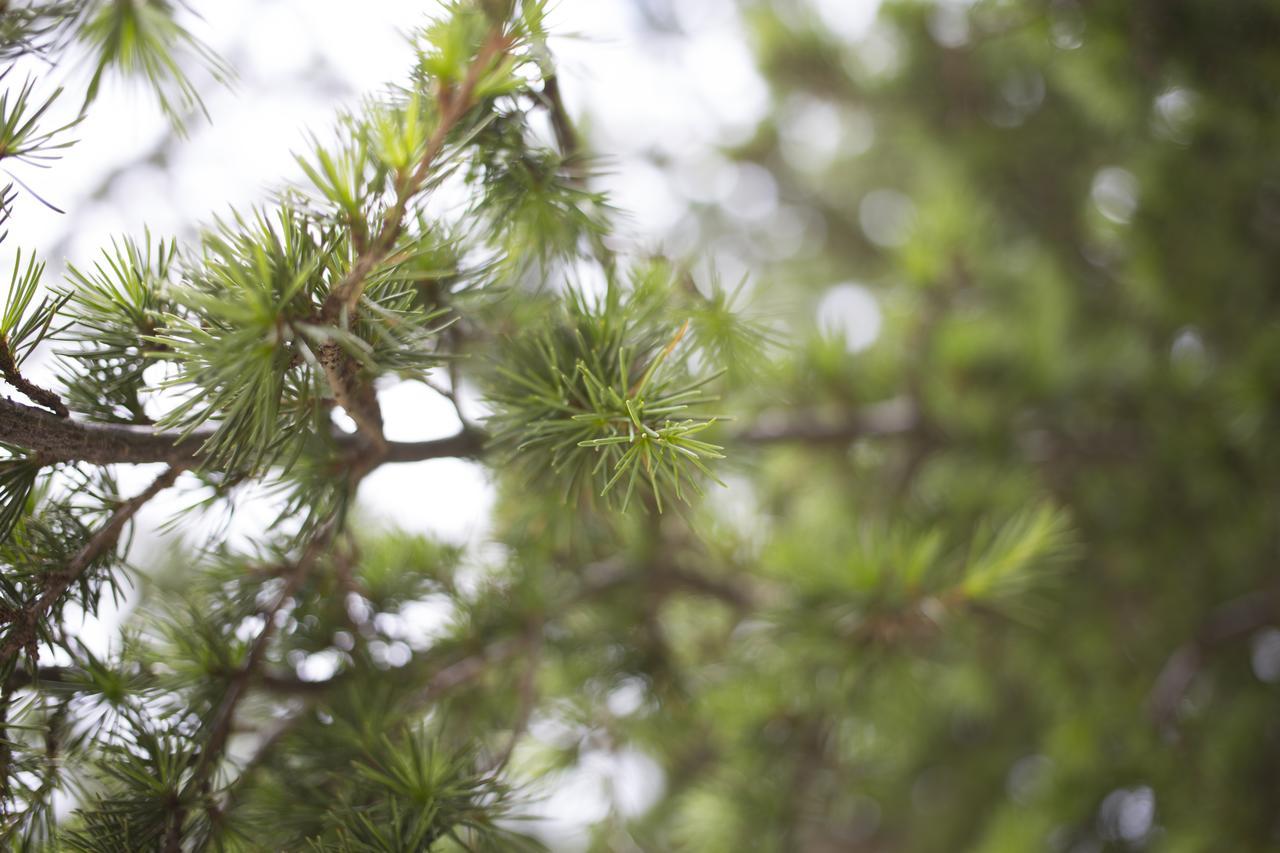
{"points": [[70, 440], [266, 748], [1227, 622], [737, 596], [561, 123], [353, 392], [220, 727], [25, 623], [566, 134], [468, 669], [527, 696], [34, 393], [898, 416]]}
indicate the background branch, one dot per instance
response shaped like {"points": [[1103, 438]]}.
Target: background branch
{"points": [[1226, 623], [891, 417]]}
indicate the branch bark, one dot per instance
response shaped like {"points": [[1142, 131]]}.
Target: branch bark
{"points": [[41, 396], [237, 689], [71, 440]]}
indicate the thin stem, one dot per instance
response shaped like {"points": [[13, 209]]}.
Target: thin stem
{"points": [[24, 632], [224, 717], [1227, 622], [220, 729], [467, 670], [527, 692], [898, 416], [270, 740], [353, 392], [561, 123], [34, 393]]}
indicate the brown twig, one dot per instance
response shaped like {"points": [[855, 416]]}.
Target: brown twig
{"points": [[71, 440], [736, 595], [270, 740], [352, 391], [224, 717], [567, 140], [34, 393], [23, 632], [527, 691], [467, 669], [889, 418], [561, 123], [220, 728], [72, 677]]}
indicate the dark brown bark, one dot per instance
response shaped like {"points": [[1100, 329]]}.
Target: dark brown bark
{"points": [[71, 440], [34, 393]]}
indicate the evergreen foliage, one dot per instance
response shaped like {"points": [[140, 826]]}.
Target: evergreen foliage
{"points": [[988, 584]]}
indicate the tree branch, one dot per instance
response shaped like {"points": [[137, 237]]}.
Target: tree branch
{"points": [[41, 396], [353, 391], [466, 670], [561, 124], [224, 716], [1227, 622], [70, 440], [75, 678], [23, 633], [270, 740], [527, 696], [891, 417]]}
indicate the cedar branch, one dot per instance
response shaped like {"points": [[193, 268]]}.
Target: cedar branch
{"points": [[897, 416], [22, 633], [71, 440], [352, 391], [41, 396], [224, 717]]}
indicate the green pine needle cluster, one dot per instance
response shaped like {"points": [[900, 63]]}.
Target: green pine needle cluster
{"points": [[22, 137], [143, 39], [604, 397], [244, 318], [115, 310]]}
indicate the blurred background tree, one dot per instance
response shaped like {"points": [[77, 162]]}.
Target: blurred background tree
{"points": [[1039, 240], [983, 294]]}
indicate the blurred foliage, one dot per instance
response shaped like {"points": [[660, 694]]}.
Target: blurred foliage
{"points": [[1066, 214]]}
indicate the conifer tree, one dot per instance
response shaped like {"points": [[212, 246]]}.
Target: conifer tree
{"points": [[961, 612], [1066, 215]]}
